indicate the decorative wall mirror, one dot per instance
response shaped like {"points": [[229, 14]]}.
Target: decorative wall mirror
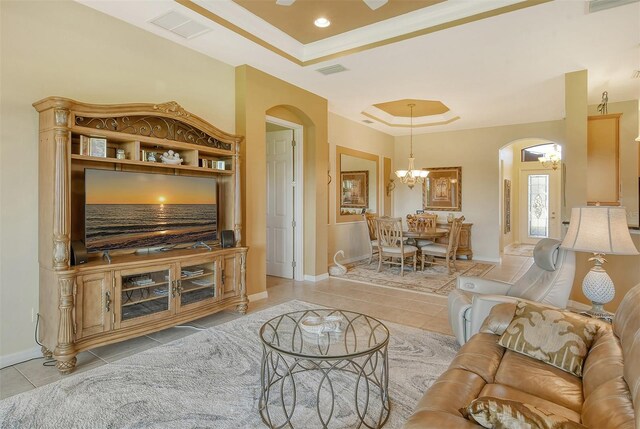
{"points": [[442, 190], [357, 185]]}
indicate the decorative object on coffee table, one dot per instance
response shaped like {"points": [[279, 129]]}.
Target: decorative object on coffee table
{"points": [[599, 230], [354, 344]]}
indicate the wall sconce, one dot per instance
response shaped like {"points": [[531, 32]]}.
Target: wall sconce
{"points": [[390, 187]]}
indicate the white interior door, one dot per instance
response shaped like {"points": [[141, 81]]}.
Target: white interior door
{"points": [[280, 204], [539, 210]]}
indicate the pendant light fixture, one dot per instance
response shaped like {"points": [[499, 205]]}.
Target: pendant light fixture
{"points": [[552, 159], [411, 176]]}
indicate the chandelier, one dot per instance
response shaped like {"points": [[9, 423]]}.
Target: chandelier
{"points": [[552, 158], [411, 176]]}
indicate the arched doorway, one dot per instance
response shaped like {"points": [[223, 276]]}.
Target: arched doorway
{"points": [[531, 192], [285, 206]]}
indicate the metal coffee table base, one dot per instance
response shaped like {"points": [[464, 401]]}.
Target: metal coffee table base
{"points": [[370, 390]]}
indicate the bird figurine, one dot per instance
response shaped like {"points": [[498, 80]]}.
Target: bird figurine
{"points": [[337, 269]]}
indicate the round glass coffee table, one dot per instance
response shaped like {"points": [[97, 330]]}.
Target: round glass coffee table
{"points": [[339, 374]]}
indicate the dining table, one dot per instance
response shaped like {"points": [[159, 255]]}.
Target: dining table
{"points": [[425, 234]]}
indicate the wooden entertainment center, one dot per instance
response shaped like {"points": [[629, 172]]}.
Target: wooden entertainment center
{"points": [[105, 301]]}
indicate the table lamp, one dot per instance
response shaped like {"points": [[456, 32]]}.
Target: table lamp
{"points": [[599, 230]]}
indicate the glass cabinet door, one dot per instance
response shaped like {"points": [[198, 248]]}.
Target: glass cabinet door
{"points": [[144, 293], [197, 283]]}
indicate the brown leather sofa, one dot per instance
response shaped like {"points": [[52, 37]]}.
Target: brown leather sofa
{"points": [[606, 397]]}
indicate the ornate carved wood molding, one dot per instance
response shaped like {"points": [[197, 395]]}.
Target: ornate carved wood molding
{"points": [[62, 204], [64, 352], [173, 108]]}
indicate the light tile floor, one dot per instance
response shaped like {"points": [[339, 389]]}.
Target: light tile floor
{"points": [[407, 308]]}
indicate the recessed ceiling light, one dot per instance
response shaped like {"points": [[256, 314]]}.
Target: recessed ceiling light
{"points": [[322, 22]]}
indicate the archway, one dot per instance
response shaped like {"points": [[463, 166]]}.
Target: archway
{"points": [[530, 194]]}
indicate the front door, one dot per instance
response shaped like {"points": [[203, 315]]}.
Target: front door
{"points": [[280, 226], [539, 198]]}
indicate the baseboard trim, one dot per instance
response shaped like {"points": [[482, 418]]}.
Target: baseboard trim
{"points": [[14, 358], [258, 296], [317, 278]]}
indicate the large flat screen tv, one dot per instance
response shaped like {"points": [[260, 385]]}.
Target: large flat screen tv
{"points": [[126, 210]]}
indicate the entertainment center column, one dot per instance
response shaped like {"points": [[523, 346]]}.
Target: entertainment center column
{"points": [[55, 197]]}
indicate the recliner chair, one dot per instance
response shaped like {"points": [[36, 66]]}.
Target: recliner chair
{"points": [[549, 280]]}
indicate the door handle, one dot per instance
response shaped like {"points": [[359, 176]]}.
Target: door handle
{"points": [[107, 301]]}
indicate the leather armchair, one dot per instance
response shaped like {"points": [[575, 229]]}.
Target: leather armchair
{"points": [[549, 281]]}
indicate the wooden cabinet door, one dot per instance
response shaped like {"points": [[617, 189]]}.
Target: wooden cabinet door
{"points": [[144, 294], [603, 159], [197, 284], [94, 304], [229, 275]]}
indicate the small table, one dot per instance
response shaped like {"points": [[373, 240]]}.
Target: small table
{"points": [[358, 349]]}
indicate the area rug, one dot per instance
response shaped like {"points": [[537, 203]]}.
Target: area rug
{"points": [[434, 279], [211, 380]]}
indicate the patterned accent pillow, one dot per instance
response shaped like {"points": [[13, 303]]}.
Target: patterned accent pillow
{"points": [[556, 337], [499, 413]]}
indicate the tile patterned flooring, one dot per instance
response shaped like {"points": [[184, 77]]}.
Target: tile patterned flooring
{"points": [[407, 308]]}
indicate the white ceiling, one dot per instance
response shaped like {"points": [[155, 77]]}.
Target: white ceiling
{"points": [[507, 69]]}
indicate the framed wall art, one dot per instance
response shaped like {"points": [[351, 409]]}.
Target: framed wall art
{"points": [[355, 189], [442, 189], [507, 206]]}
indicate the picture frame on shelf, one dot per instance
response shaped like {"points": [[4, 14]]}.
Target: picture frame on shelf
{"points": [[84, 145], [98, 147], [442, 189], [220, 165]]}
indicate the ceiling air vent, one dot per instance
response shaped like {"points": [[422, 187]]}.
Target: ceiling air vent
{"points": [[598, 5], [336, 68], [180, 24], [367, 121]]}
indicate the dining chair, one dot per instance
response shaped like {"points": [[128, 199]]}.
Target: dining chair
{"points": [[391, 244], [422, 222], [370, 220], [446, 251]]}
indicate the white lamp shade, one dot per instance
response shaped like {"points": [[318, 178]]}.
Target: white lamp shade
{"points": [[599, 230]]}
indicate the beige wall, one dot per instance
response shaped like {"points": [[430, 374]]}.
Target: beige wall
{"points": [[477, 152], [575, 145], [64, 48], [507, 173], [257, 93], [352, 236], [623, 270]]}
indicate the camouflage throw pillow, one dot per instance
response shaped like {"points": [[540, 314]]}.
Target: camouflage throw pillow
{"points": [[556, 337], [498, 413]]}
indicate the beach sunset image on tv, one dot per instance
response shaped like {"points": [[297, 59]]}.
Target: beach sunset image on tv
{"points": [[138, 210]]}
